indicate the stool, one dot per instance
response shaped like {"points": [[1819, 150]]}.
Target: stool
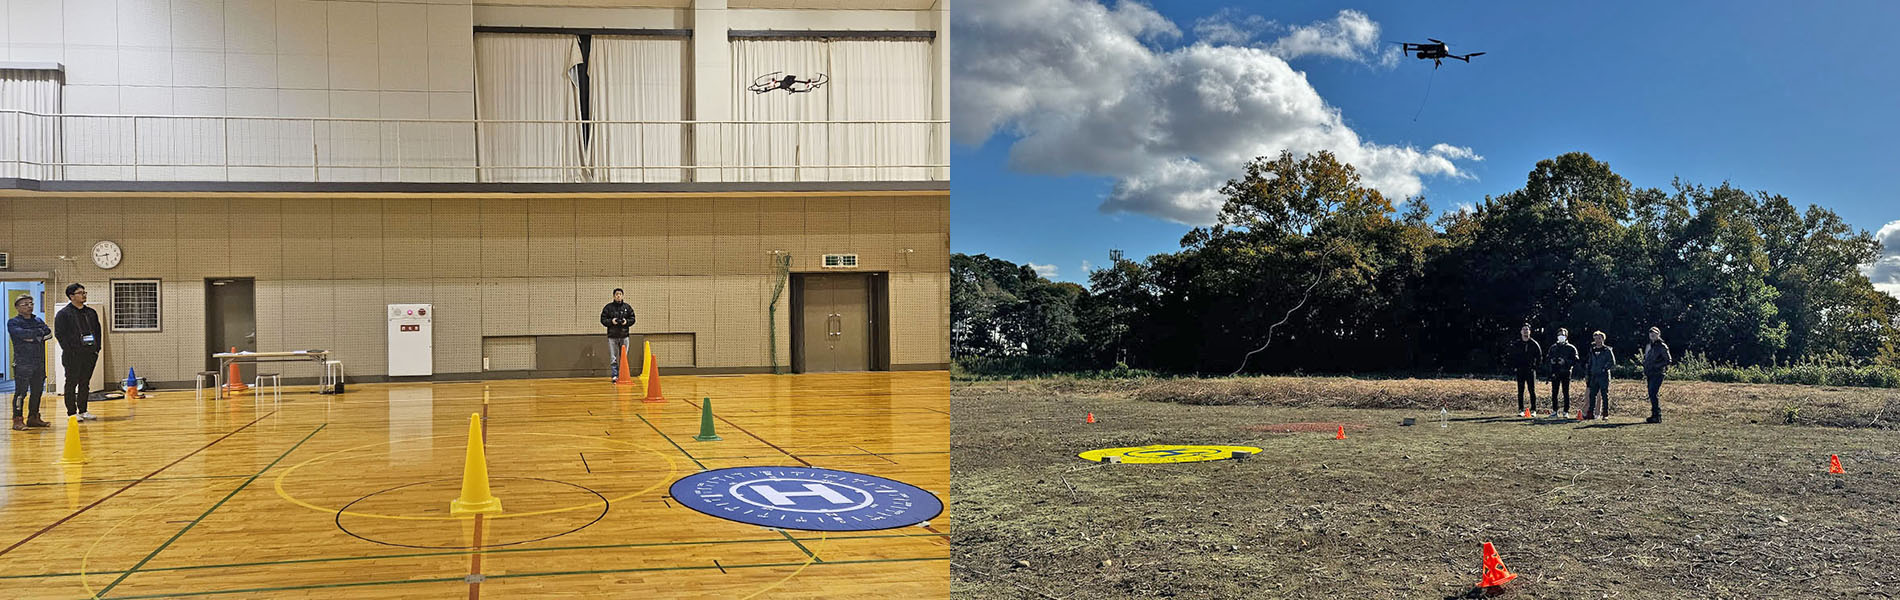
{"points": [[199, 384], [276, 386], [333, 376]]}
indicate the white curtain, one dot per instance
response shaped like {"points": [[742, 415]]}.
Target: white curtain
{"points": [[637, 79], [881, 80], [528, 77], [778, 146], [29, 143]]}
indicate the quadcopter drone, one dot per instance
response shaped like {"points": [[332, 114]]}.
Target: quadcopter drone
{"points": [[1436, 51], [777, 80]]}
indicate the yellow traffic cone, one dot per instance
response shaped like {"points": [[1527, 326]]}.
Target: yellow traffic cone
{"points": [[475, 495], [73, 454]]}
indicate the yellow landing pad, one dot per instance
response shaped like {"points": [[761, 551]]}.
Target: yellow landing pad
{"points": [[348, 496], [1167, 453]]}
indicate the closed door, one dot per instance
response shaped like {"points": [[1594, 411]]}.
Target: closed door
{"points": [[836, 323], [230, 322]]}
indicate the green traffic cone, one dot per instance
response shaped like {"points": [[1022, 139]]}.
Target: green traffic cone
{"points": [[705, 422]]}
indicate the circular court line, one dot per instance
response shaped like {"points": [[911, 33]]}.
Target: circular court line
{"points": [[605, 505], [672, 468]]}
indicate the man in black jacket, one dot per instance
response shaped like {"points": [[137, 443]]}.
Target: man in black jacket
{"points": [[29, 335], [77, 327], [1563, 359], [617, 317], [1656, 360], [1526, 355]]}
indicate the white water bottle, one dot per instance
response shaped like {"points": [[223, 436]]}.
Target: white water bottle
{"points": [[1444, 418]]}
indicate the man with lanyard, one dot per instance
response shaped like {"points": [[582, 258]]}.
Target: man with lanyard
{"points": [[77, 327]]}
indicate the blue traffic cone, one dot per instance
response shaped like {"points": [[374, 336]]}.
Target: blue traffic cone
{"points": [[131, 377]]}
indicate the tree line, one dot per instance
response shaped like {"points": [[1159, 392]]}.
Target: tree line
{"points": [[1307, 269]]}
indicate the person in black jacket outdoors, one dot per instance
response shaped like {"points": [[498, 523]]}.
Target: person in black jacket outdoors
{"points": [[1656, 360], [77, 327], [1526, 355], [1597, 378], [29, 335], [617, 317], [1563, 359]]}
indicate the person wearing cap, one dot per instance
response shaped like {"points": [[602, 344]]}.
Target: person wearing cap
{"points": [[77, 328], [1526, 354], [1563, 359], [1597, 377], [1656, 360], [29, 335], [617, 317]]}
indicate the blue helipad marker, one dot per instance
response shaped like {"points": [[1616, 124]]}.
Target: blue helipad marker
{"points": [[806, 498]]}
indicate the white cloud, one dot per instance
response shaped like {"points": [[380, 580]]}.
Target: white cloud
{"points": [[1085, 94], [1885, 270], [1046, 271], [1087, 268], [1230, 27], [1351, 36]]}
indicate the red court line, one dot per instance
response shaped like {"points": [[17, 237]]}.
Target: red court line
{"points": [[475, 563], [129, 485]]}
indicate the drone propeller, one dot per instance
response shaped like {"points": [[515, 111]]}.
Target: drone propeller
{"points": [[1435, 41], [1474, 54]]}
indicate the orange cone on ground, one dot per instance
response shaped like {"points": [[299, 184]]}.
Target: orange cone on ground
{"points": [[235, 382], [624, 377], [1494, 572], [652, 376], [1834, 464], [1527, 413], [1342, 433], [1579, 414], [1091, 418]]}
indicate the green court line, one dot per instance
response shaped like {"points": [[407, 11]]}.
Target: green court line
{"points": [[89, 481], [468, 552], [207, 513], [321, 586], [801, 547], [669, 440]]}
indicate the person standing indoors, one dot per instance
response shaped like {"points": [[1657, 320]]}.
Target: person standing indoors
{"points": [[77, 328], [617, 317], [1656, 360], [29, 335], [1563, 359], [1597, 377]]}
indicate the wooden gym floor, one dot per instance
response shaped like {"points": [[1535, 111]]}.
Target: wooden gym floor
{"points": [[241, 498]]}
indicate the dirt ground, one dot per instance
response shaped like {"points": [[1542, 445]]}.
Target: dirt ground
{"points": [[1728, 498]]}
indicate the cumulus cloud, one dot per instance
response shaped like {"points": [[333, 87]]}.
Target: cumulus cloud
{"points": [[1085, 91], [1232, 28], [1046, 271], [1885, 270], [1351, 36]]}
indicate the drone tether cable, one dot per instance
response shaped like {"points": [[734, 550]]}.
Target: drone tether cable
{"points": [[1428, 96]]}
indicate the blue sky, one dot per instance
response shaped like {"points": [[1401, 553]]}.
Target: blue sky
{"points": [[1795, 101]]}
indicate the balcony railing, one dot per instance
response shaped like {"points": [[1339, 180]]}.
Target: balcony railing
{"points": [[224, 148]]}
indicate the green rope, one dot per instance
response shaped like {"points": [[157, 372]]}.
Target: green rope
{"points": [[783, 264]]}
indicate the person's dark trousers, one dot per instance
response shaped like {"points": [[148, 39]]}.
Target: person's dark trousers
{"points": [[78, 384], [1526, 382], [1655, 385], [23, 379], [1560, 383], [1598, 387]]}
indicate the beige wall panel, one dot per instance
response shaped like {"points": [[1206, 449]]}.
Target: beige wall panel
{"points": [[551, 306], [590, 295], [408, 251], [781, 227], [652, 307], [357, 232], [509, 353], [38, 231], [673, 350], [739, 324], [361, 322], [599, 229], [308, 250], [184, 301], [204, 238], [151, 244], [689, 236], [644, 247], [551, 238], [919, 318], [456, 243], [504, 238], [458, 325], [504, 302], [310, 308], [737, 223], [871, 233], [256, 228], [270, 315], [827, 231], [691, 310]]}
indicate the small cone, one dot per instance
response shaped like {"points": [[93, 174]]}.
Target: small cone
{"points": [[1527, 413], [1579, 414], [235, 382], [73, 455], [652, 376], [1342, 433], [625, 377], [475, 495], [1091, 418], [705, 422], [1494, 572], [1834, 464]]}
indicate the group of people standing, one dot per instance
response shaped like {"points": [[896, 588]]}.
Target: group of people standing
{"points": [[1561, 361], [77, 329]]}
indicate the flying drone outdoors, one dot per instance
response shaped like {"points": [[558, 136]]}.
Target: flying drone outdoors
{"points": [[1436, 51], [790, 83]]}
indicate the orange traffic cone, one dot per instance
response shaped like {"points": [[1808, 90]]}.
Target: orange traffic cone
{"points": [[1091, 418], [1579, 414], [235, 383], [1834, 464], [624, 377], [1527, 413], [1494, 572], [1342, 433], [652, 376]]}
